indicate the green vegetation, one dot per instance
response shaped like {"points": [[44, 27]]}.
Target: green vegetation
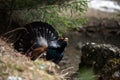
{"points": [[86, 74], [52, 17], [28, 4], [62, 14]]}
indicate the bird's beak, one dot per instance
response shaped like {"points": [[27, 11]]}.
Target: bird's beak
{"points": [[66, 39], [63, 39]]}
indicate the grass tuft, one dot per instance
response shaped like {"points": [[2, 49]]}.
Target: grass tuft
{"points": [[15, 66]]}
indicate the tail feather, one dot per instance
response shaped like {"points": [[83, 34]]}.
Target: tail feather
{"points": [[38, 33]]}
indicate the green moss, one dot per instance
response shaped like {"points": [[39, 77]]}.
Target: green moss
{"points": [[86, 74]]}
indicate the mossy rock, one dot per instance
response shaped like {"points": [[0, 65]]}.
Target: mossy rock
{"points": [[105, 60]]}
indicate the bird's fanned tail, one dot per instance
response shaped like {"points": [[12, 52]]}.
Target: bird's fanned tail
{"points": [[37, 34]]}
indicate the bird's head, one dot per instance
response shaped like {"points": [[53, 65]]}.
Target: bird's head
{"points": [[63, 39], [63, 42]]}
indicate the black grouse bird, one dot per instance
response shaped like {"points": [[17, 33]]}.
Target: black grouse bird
{"points": [[40, 37]]}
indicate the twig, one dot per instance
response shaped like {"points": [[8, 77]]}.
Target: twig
{"points": [[66, 69], [15, 30]]}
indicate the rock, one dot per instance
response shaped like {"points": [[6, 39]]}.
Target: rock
{"points": [[105, 60]]}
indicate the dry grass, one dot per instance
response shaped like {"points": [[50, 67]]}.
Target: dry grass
{"points": [[14, 65]]}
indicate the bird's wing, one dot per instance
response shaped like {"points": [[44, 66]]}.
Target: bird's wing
{"points": [[24, 42]]}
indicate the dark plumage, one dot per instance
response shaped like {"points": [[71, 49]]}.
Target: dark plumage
{"points": [[56, 53], [40, 37]]}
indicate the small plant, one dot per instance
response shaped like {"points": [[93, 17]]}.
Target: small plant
{"points": [[86, 74]]}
